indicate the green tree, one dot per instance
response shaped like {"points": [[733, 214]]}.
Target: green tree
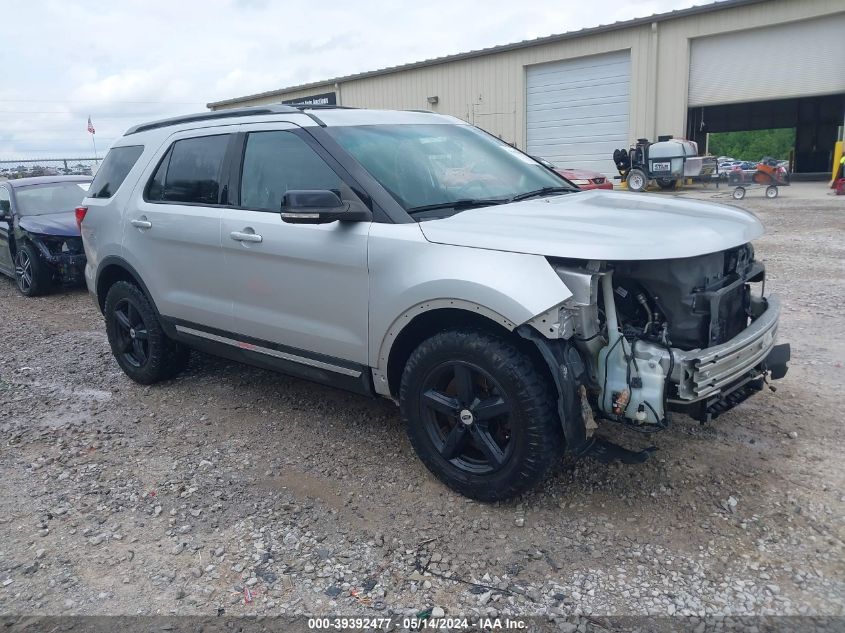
{"points": [[753, 145]]}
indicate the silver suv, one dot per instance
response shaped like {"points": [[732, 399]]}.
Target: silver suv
{"points": [[412, 256]]}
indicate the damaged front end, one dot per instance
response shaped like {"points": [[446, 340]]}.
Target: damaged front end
{"points": [[695, 335], [63, 255]]}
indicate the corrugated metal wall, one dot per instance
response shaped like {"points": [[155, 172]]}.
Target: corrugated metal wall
{"points": [[802, 59], [489, 90]]}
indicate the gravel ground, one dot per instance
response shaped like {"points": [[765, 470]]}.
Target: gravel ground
{"points": [[237, 489]]}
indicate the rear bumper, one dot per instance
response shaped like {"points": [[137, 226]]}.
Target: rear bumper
{"points": [[605, 185]]}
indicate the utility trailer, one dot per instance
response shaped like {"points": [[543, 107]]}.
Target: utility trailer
{"points": [[666, 162], [769, 176]]}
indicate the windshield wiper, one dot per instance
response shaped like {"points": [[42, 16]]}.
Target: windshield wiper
{"points": [[466, 203], [541, 192]]}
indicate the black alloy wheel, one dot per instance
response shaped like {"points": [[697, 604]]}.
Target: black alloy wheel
{"points": [[32, 277], [23, 271], [479, 413], [132, 337], [142, 348], [467, 416]]}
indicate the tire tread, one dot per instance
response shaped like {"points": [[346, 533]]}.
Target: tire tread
{"points": [[167, 357], [544, 438]]}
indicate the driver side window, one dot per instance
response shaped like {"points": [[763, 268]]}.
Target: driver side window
{"points": [[278, 161]]}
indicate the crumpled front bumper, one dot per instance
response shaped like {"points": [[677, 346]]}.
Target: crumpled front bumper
{"points": [[703, 373], [707, 382], [713, 380], [69, 265]]}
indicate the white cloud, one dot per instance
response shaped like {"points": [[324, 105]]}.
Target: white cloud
{"points": [[127, 62]]}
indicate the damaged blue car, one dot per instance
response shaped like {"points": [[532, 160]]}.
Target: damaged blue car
{"points": [[40, 246]]}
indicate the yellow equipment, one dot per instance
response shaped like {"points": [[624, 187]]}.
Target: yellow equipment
{"points": [[838, 152]]}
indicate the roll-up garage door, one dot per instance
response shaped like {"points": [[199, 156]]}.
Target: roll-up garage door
{"points": [[577, 110], [799, 59]]}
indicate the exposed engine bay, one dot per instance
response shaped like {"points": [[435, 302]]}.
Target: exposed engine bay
{"points": [[693, 334]]}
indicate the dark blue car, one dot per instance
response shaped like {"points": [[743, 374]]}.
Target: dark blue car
{"points": [[40, 246]]}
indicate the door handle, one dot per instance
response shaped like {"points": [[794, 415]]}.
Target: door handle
{"points": [[142, 224], [238, 236]]}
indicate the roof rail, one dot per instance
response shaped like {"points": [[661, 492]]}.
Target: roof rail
{"points": [[210, 116]]}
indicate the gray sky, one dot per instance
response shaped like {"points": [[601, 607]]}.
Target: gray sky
{"points": [[127, 62]]}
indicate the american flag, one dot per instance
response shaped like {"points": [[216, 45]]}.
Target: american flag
{"points": [[90, 125]]}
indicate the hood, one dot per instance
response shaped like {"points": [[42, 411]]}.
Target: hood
{"points": [[605, 225], [58, 224], [579, 174]]}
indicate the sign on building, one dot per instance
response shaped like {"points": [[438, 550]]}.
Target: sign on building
{"points": [[326, 98]]}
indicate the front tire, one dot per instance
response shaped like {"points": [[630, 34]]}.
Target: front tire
{"points": [[479, 414], [31, 275], [637, 180], [138, 342]]}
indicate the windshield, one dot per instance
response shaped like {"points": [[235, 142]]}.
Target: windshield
{"points": [[54, 197], [445, 166]]}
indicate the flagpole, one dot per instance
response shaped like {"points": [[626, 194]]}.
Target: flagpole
{"points": [[93, 137]]}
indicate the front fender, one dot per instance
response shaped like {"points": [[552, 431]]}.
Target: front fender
{"points": [[409, 276]]}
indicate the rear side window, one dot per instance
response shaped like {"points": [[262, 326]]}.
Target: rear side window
{"points": [[190, 171], [113, 171]]}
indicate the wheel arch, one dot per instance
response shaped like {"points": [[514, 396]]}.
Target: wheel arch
{"points": [[114, 269], [18, 238], [426, 319]]}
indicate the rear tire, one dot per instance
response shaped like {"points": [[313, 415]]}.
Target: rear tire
{"points": [[32, 277], [667, 183], [140, 346], [479, 414]]}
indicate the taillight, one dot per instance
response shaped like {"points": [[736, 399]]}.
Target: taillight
{"points": [[80, 215]]}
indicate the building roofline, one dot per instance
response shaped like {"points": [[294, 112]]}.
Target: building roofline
{"points": [[502, 48]]}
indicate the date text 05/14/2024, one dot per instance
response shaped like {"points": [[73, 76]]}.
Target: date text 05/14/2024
{"points": [[416, 623]]}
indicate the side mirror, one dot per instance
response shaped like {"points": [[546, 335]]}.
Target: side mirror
{"points": [[319, 206], [5, 209]]}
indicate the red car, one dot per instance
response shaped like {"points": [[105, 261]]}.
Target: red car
{"points": [[583, 178]]}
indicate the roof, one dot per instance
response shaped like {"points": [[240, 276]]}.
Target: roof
{"points": [[211, 116], [550, 39], [306, 116], [45, 180]]}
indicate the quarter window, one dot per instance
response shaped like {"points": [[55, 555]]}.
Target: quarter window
{"points": [[5, 201], [276, 162], [155, 190], [190, 171], [113, 171]]}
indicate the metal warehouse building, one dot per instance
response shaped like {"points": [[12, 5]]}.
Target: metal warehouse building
{"points": [[574, 98]]}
